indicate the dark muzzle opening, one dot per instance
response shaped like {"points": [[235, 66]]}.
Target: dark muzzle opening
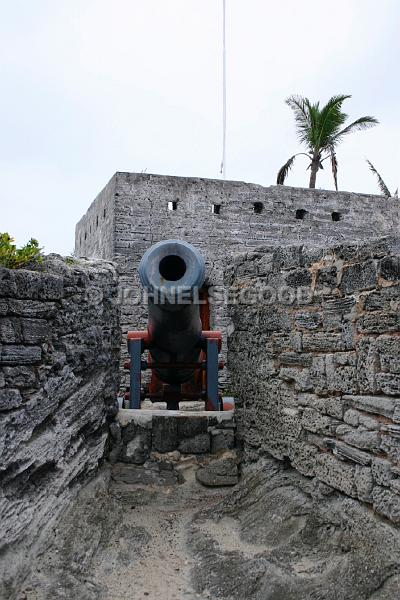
{"points": [[172, 267]]}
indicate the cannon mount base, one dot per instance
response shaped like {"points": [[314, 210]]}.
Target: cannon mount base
{"points": [[203, 387]]}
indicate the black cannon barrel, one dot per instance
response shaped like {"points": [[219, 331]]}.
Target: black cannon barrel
{"points": [[172, 272]]}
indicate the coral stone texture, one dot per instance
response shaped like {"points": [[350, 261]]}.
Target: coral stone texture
{"points": [[220, 218], [317, 376], [59, 355]]}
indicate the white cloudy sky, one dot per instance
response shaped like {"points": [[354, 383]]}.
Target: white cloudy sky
{"points": [[89, 87]]}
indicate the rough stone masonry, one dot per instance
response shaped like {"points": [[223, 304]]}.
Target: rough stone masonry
{"points": [[318, 380], [220, 218], [59, 356]]}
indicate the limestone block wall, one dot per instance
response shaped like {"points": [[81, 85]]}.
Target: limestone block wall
{"points": [[136, 434], [317, 369], [59, 356], [220, 218]]}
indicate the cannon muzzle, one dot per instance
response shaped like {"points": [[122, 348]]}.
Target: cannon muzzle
{"points": [[172, 273], [171, 266]]}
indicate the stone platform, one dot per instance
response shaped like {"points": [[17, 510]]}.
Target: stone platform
{"points": [[138, 433]]}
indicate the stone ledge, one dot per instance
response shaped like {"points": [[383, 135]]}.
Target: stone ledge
{"points": [[136, 433]]}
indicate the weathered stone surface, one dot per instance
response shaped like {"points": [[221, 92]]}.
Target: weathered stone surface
{"points": [[164, 434], [380, 405], [191, 425], [324, 395], [389, 268], [360, 438], [222, 439], [381, 471], [198, 444], [357, 277], [220, 472], [138, 450], [364, 483], [23, 284], [9, 399], [281, 536], [53, 426], [388, 383], [386, 503], [20, 355], [336, 473], [21, 376], [151, 474], [346, 452]]}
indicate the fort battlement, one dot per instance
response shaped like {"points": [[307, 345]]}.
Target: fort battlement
{"points": [[222, 219]]}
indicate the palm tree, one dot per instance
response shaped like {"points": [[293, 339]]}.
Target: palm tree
{"points": [[321, 130], [382, 185]]}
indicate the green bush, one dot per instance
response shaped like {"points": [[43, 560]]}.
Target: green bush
{"points": [[16, 258]]}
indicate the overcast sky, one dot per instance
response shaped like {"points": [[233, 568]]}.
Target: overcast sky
{"points": [[90, 87]]}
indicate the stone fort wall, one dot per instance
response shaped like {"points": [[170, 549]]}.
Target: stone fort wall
{"points": [[221, 218], [59, 357], [317, 381]]}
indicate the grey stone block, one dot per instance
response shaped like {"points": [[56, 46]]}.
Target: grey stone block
{"points": [[308, 320], [357, 277], [336, 473], [352, 417], [365, 440], [20, 355], [164, 434], [138, 450], [10, 399], [32, 308], [389, 383], [220, 472], [378, 322], [346, 452], [380, 405], [222, 439], [327, 277], [21, 376], [334, 406], [381, 471], [198, 444], [386, 503], [312, 420], [364, 483], [16, 330], [323, 342], [389, 268], [191, 425], [395, 486]]}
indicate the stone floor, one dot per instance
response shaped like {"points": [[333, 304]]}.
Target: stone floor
{"points": [[155, 532], [126, 536]]}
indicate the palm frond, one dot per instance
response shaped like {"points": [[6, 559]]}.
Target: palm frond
{"points": [[358, 125], [334, 165], [299, 105], [382, 185], [283, 171], [331, 118], [315, 114]]}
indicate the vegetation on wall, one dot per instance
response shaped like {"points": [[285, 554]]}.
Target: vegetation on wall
{"points": [[16, 258], [321, 130]]}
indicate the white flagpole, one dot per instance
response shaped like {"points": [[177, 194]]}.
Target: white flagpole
{"points": [[223, 162]]}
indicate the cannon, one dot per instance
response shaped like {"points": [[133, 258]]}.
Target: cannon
{"points": [[182, 351]]}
